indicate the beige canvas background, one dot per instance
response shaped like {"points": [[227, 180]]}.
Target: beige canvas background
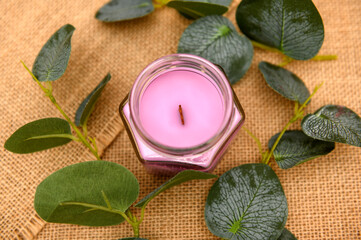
{"points": [[324, 195]]}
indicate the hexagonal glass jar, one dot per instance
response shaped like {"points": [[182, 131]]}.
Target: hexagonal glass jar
{"points": [[168, 160]]}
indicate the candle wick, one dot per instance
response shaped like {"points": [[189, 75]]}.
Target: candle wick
{"points": [[181, 114]]}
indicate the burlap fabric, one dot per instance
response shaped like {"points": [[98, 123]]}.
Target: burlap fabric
{"points": [[324, 195]]}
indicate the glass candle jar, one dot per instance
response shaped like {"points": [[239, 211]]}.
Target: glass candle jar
{"points": [[181, 114]]}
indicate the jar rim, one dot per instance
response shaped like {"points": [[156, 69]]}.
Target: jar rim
{"points": [[144, 76]]}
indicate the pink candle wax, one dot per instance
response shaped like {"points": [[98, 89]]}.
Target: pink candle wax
{"points": [[201, 103]]}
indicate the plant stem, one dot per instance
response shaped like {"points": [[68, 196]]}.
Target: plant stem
{"points": [[136, 229], [142, 214], [278, 139], [324, 57], [286, 60], [160, 3], [297, 115], [135, 223], [256, 140], [284, 63], [80, 135], [264, 47], [49, 93]]}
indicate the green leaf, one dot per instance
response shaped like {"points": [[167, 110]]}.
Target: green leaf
{"points": [[292, 26], [53, 58], [216, 39], [295, 148], [39, 135], [196, 9], [180, 178], [247, 202], [286, 235], [119, 10], [90, 193], [333, 123], [87, 106], [284, 82]]}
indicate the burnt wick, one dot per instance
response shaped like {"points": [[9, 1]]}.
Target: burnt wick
{"points": [[181, 114]]}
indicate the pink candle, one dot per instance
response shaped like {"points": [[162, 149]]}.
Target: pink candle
{"points": [[181, 114], [201, 103]]}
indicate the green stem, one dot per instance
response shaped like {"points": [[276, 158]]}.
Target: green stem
{"points": [[256, 140], [278, 140], [286, 60], [324, 57], [48, 92], [135, 223], [297, 115], [271, 49], [127, 216], [97, 207], [160, 3], [136, 230], [94, 143], [80, 135], [142, 214], [264, 47], [85, 130]]}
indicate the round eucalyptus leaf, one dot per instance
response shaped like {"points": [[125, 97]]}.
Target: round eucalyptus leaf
{"points": [[39, 135], [292, 26], [53, 58], [89, 193], [333, 123], [193, 9], [295, 148], [247, 202], [119, 10], [286, 235], [87, 106], [284, 82], [216, 39]]}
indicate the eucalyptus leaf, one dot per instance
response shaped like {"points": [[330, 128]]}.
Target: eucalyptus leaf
{"points": [[90, 193], [295, 148], [292, 26], [334, 123], [119, 10], [247, 202], [180, 178], [87, 106], [39, 135], [216, 39], [286, 235], [53, 58], [196, 9], [284, 82]]}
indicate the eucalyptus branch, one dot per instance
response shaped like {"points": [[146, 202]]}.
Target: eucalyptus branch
{"points": [[297, 115], [49, 93]]}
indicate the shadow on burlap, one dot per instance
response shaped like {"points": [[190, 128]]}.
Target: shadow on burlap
{"points": [[324, 195]]}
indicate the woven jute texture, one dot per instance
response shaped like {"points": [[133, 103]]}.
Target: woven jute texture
{"points": [[324, 195]]}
